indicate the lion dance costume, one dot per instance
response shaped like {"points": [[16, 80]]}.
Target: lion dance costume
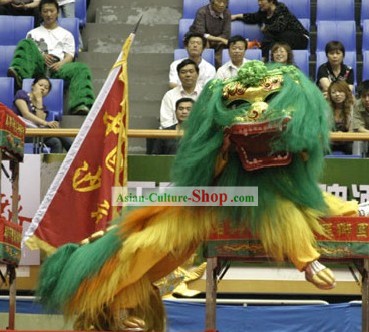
{"points": [[269, 128]]}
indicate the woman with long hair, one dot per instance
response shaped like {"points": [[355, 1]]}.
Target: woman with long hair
{"points": [[30, 106], [342, 102]]}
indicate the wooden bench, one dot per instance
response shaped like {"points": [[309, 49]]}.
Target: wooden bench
{"points": [[348, 242]]}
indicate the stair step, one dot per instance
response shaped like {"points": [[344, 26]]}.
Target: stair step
{"points": [[151, 15], [109, 38]]}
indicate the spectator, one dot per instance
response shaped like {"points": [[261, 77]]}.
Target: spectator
{"points": [[213, 21], [21, 8], [51, 48], [237, 46], [30, 106], [361, 109], [341, 101], [282, 53], [68, 9], [195, 44], [188, 72], [334, 69], [278, 24], [169, 146]]}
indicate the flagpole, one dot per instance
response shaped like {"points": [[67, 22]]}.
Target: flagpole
{"points": [[121, 164]]}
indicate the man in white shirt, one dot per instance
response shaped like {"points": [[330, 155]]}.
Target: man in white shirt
{"points": [[188, 72], [50, 49], [237, 46], [194, 44]]}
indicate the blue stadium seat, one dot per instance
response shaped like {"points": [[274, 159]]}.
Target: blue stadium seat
{"points": [[6, 56], [364, 11], [300, 8], [343, 31], [251, 54], [190, 7], [305, 22], [81, 12], [301, 58], [7, 91], [14, 28], [366, 65], [183, 27], [238, 28], [253, 32], [335, 10], [365, 45], [207, 54], [350, 60], [54, 101], [241, 6], [72, 25]]}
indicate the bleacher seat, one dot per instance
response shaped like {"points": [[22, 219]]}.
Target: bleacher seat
{"points": [[301, 58], [14, 28], [54, 101], [343, 31], [364, 11], [241, 6], [6, 56], [238, 28], [300, 8], [305, 22], [81, 12], [183, 27], [190, 7], [72, 25], [252, 32], [7, 91], [366, 65], [335, 10], [365, 44], [349, 60], [251, 54], [208, 54]]}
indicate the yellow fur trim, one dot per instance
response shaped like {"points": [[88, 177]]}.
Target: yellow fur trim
{"points": [[155, 247]]}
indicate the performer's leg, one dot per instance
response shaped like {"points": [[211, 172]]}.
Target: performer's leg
{"points": [[81, 95], [27, 62], [289, 232]]}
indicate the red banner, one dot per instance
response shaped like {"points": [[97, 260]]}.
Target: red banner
{"points": [[78, 202]]}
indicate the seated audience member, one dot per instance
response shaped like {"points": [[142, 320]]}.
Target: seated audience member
{"points": [[21, 8], [30, 106], [334, 69], [342, 102], [213, 21], [194, 44], [169, 146], [282, 53], [278, 24], [361, 109], [50, 48], [237, 46], [188, 72]]}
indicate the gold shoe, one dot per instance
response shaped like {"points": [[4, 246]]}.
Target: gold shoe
{"points": [[320, 276]]}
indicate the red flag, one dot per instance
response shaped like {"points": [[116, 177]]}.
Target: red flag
{"points": [[78, 202]]}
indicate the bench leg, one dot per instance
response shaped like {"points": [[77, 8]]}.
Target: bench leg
{"points": [[365, 297], [211, 294]]}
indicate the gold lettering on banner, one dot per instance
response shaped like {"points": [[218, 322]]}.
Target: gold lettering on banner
{"points": [[362, 230], [112, 123], [15, 126], [111, 160], [102, 211], [84, 181], [344, 229], [328, 229]]}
